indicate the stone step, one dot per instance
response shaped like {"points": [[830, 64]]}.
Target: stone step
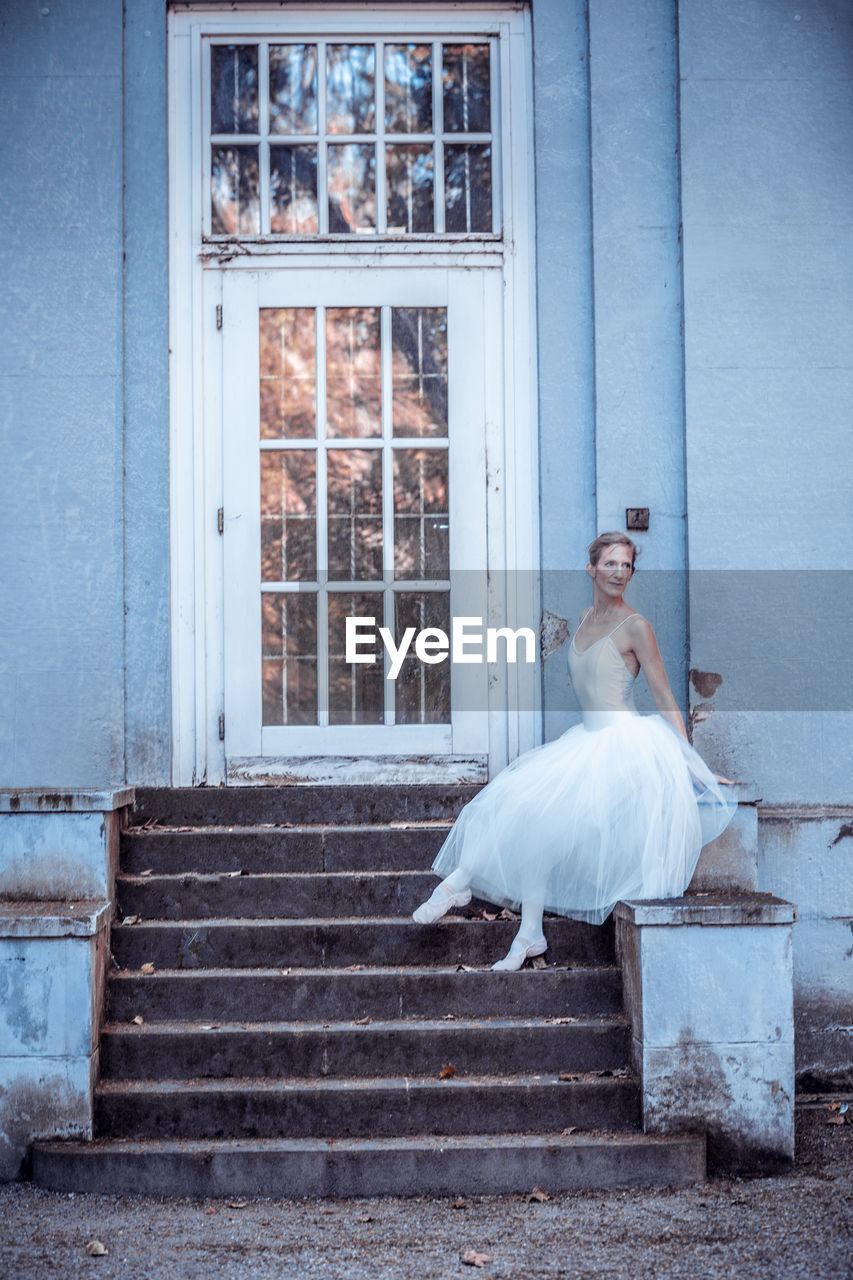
{"points": [[378, 1108], [183, 1050], [300, 803], [314, 943], [362, 847], [332, 995], [197, 896], [423, 1166]]}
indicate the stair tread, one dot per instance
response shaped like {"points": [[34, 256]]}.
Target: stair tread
{"points": [[331, 1084], [417, 824], [360, 971], [415, 1142], [426, 1025], [292, 922]]}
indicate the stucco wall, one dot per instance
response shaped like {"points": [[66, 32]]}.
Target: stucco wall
{"points": [[83, 395], [767, 189]]}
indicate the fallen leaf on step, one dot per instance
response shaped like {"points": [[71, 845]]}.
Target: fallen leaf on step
{"points": [[508, 915], [560, 1022], [95, 1249], [605, 1072], [449, 1017], [363, 1022], [566, 1075], [471, 1258], [147, 967], [539, 962], [835, 1119], [402, 826], [284, 971], [146, 826], [148, 872], [366, 1217], [208, 1211], [238, 1204], [353, 968], [139, 1020], [465, 968], [571, 1129], [447, 1072], [130, 920], [459, 1203], [209, 1026], [538, 1195]]}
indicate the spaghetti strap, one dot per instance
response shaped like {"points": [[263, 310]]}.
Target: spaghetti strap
{"points": [[619, 624]]}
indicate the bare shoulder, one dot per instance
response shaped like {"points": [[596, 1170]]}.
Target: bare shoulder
{"points": [[639, 629], [584, 612]]}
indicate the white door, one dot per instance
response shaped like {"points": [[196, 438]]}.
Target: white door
{"points": [[356, 406]]}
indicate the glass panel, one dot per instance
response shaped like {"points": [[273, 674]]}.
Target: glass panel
{"points": [[235, 205], [293, 190], [234, 88], [410, 187], [353, 372], [408, 88], [288, 515], [289, 658], [421, 517], [468, 187], [355, 513], [288, 372], [419, 371], [293, 88], [350, 88], [356, 692], [422, 690], [352, 187], [466, 88]]}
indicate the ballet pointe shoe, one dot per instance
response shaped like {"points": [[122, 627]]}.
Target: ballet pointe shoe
{"points": [[438, 904], [521, 950]]}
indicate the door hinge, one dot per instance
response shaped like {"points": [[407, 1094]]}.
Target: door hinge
{"points": [[222, 727], [219, 315], [220, 519]]}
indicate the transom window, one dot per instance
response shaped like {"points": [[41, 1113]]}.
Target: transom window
{"points": [[366, 138]]}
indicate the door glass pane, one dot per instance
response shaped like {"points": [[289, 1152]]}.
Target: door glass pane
{"points": [[408, 88], [293, 88], [421, 518], [409, 169], [422, 690], [288, 372], [293, 190], [468, 187], [234, 88], [352, 187], [289, 658], [353, 372], [288, 515], [355, 513], [350, 88], [234, 191], [356, 692], [419, 371], [467, 107]]}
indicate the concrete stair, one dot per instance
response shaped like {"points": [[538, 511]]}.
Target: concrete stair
{"points": [[298, 1029]]}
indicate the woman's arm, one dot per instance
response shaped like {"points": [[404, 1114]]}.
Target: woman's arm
{"points": [[645, 646]]}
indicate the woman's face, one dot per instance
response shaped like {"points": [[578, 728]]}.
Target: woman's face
{"points": [[613, 571]]}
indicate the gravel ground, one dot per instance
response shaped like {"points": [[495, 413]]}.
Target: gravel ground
{"points": [[799, 1225]]}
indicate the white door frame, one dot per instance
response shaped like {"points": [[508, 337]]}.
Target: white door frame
{"points": [[196, 461]]}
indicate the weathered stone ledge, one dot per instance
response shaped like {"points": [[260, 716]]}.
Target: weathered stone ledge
{"points": [[709, 909], [48, 919], [39, 800]]}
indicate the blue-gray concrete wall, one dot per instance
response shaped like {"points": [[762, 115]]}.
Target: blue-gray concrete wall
{"points": [[83, 395]]}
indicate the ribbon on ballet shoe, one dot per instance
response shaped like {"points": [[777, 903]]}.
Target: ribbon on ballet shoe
{"points": [[520, 951], [438, 904]]}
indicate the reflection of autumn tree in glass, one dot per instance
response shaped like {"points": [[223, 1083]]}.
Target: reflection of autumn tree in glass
{"points": [[422, 691], [289, 658], [288, 516], [408, 88], [353, 372], [421, 525], [288, 373], [355, 513], [356, 693], [419, 371]]}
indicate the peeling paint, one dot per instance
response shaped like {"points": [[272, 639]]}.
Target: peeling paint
{"points": [[553, 632], [845, 832], [706, 683]]}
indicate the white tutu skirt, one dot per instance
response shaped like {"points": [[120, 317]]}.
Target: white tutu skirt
{"points": [[597, 816]]}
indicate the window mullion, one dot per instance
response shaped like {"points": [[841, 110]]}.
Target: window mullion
{"points": [[438, 131], [387, 494], [322, 527], [381, 201], [263, 130]]}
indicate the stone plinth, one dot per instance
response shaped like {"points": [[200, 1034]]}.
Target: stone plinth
{"points": [[709, 990], [60, 845]]}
